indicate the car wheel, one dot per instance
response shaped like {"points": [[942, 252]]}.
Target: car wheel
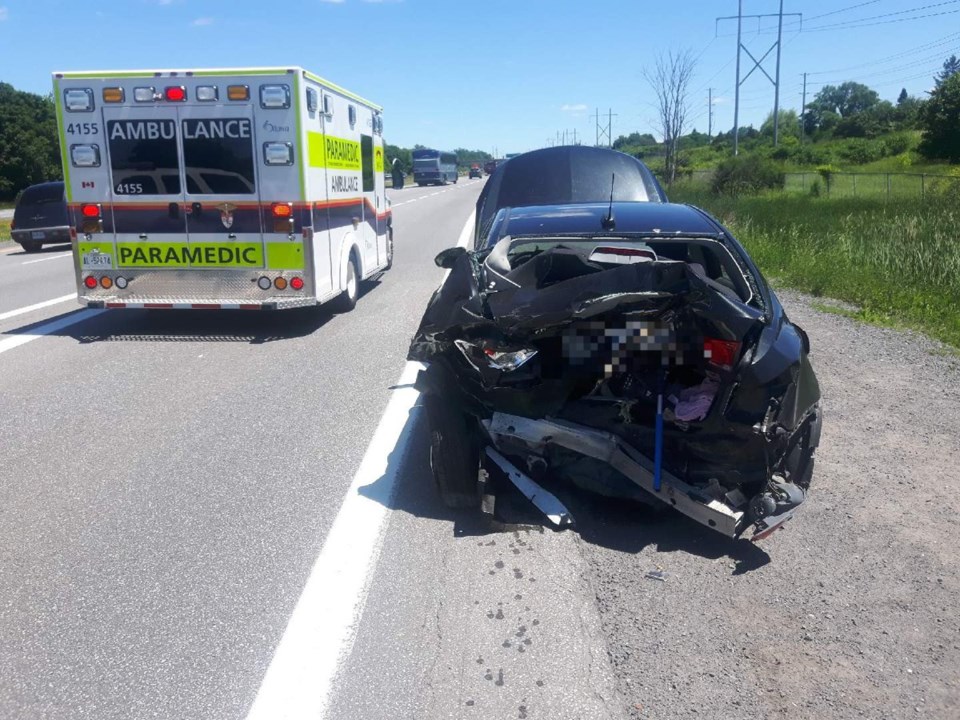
{"points": [[455, 180], [454, 455], [421, 184], [347, 300], [31, 246]]}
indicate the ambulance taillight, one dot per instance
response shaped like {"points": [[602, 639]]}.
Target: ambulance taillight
{"points": [[282, 217]]}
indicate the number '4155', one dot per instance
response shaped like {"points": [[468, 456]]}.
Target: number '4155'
{"points": [[83, 128]]}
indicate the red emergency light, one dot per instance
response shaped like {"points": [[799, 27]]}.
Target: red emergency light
{"points": [[90, 281], [282, 210], [296, 283], [90, 211], [175, 93]]}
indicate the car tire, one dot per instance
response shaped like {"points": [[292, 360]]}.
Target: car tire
{"points": [[31, 246], [454, 453], [455, 180], [347, 300], [421, 184]]}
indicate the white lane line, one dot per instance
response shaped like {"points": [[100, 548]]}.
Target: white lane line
{"points": [[15, 341], [38, 306], [321, 631], [52, 257]]}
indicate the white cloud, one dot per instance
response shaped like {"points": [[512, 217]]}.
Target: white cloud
{"points": [[199, 22], [4, 14], [578, 108]]}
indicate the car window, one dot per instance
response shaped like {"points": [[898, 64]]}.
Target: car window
{"points": [[41, 194]]}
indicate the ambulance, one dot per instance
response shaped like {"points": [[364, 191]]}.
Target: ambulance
{"points": [[257, 188]]}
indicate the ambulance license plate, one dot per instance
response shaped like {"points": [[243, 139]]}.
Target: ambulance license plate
{"points": [[97, 260]]}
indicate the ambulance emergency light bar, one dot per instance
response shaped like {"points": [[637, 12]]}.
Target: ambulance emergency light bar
{"points": [[81, 99]]}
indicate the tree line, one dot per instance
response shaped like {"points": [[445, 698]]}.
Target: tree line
{"points": [[850, 111], [29, 149]]}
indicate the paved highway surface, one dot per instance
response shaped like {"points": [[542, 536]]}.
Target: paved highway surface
{"points": [[232, 516]]}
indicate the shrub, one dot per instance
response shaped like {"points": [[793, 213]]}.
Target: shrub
{"points": [[860, 151], [745, 175]]}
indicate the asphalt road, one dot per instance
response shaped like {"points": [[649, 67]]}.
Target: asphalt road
{"points": [[231, 515]]}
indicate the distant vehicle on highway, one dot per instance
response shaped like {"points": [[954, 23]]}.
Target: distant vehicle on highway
{"points": [[490, 165], [624, 345], [40, 217], [434, 167], [476, 171]]}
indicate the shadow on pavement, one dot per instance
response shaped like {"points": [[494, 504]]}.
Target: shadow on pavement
{"points": [[45, 250], [170, 326], [619, 525]]}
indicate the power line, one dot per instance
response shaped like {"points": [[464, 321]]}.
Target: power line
{"points": [[861, 22], [943, 41]]}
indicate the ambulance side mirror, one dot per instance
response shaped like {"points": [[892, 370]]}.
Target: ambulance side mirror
{"points": [[448, 258]]}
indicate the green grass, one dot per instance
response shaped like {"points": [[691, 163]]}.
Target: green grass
{"points": [[4, 229], [897, 260]]}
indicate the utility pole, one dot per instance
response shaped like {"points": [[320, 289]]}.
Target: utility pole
{"points": [[610, 116], [776, 85], [736, 97], [757, 64], [709, 113], [803, 110], [574, 136]]}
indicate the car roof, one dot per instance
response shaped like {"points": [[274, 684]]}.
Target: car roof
{"points": [[630, 217], [566, 175], [52, 184]]}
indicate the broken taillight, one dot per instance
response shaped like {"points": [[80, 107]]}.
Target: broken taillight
{"points": [[722, 353], [506, 360]]}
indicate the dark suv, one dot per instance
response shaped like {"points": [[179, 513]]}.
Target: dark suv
{"points": [[40, 217]]}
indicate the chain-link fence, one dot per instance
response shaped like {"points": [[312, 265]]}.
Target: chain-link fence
{"points": [[861, 185]]}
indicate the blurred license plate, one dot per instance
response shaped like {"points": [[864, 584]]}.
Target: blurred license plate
{"points": [[38, 235], [96, 260]]}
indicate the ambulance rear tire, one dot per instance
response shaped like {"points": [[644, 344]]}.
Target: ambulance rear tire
{"points": [[347, 300], [389, 248]]}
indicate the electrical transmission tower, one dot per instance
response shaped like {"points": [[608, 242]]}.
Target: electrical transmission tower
{"points": [[605, 132], [757, 64]]}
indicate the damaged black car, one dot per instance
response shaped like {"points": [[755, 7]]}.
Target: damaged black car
{"points": [[599, 336]]}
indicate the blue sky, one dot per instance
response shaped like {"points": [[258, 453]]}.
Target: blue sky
{"points": [[504, 74]]}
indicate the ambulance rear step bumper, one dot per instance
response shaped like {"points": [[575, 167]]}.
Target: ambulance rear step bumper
{"points": [[271, 303]]}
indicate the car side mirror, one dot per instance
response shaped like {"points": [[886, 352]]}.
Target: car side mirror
{"points": [[448, 258]]}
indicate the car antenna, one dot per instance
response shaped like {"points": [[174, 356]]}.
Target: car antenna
{"points": [[610, 222]]}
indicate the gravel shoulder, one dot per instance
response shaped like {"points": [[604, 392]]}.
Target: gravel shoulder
{"points": [[852, 610]]}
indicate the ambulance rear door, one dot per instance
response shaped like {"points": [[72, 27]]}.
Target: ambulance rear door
{"points": [[146, 187], [221, 198]]}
